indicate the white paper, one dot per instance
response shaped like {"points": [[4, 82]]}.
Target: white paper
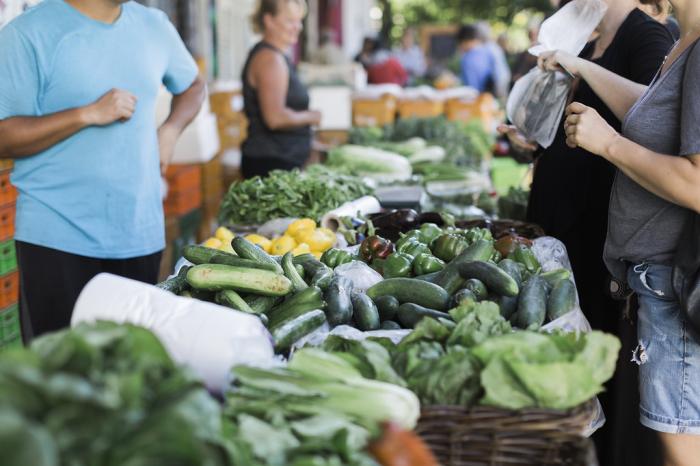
{"points": [[365, 205]]}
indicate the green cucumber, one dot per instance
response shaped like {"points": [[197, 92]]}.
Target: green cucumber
{"points": [[202, 254], [216, 277], [532, 304], [235, 261], [491, 275], [508, 305], [562, 299], [294, 330], [410, 314], [310, 264], [512, 268], [308, 300], [554, 276], [430, 277], [390, 325], [262, 304], [185, 294], [300, 270], [364, 312], [477, 287], [448, 323], [338, 301], [230, 298], [177, 284], [322, 278], [291, 273], [387, 306], [410, 290], [248, 250], [463, 297], [449, 278]]}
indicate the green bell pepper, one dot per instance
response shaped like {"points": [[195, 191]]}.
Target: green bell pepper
{"points": [[336, 257], [413, 247], [525, 256], [449, 246], [424, 264], [428, 232], [413, 235], [476, 234], [398, 265]]}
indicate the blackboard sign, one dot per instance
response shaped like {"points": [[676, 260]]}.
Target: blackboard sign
{"points": [[439, 42]]}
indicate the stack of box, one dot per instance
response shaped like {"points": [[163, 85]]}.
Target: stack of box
{"points": [[374, 112], [212, 193], [10, 334]]}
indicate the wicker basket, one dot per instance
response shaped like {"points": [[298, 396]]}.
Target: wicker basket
{"points": [[495, 437]]}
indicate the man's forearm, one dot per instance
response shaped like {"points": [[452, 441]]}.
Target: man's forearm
{"points": [[26, 136], [186, 106]]}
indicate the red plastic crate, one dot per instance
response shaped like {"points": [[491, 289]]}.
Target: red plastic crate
{"points": [[180, 203], [183, 178], [9, 289], [7, 222], [8, 193]]}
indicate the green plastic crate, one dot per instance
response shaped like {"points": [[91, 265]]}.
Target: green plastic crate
{"points": [[8, 257], [10, 333]]}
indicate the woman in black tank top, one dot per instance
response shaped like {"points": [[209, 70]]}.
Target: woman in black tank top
{"points": [[276, 102]]}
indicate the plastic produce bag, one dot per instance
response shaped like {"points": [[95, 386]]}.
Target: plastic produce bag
{"points": [[538, 99], [360, 274]]}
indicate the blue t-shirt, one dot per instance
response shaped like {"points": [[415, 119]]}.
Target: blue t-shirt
{"points": [[97, 193], [478, 69]]}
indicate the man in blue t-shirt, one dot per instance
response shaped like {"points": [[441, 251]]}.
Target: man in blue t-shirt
{"points": [[477, 65], [77, 113]]}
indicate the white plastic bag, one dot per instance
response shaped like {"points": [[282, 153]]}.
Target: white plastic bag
{"points": [[538, 99], [362, 276]]}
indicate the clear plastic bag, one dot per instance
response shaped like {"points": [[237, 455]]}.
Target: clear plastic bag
{"points": [[537, 102], [360, 274]]}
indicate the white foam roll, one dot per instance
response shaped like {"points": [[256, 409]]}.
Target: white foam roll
{"points": [[364, 206], [206, 338]]}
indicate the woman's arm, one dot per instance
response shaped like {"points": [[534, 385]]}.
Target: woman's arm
{"points": [[675, 179], [270, 76], [618, 93]]}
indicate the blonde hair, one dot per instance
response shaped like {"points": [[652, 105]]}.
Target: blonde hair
{"points": [[270, 7]]}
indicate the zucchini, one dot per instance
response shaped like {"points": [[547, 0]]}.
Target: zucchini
{"points": [[310, 264], [248, 250], [389, 325], [202, 254], [491, 275], [364, 312], [463, 297], [477, 288], [216, 277], [230, 298], [308, 300], [177, 284], [449, 278], [291, 273], [512, 268], [387, 306], [235, 261], [554, 276], [203, 295], [410, 290], [294, 330], [532, 304], [262, 304], [430, 277], [508, 305], [338, 301], [322, 278], [562, 299], [300, 270], [410, 314]]}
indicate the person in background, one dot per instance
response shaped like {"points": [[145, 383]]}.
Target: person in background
{"points": [[571, 192], [384, 68], [77, 103], [329, 53], [364, 57], [276, 102], [502, 73], [525, 61], [662, 13], [477, 64], [655, 195], [410, 55]]}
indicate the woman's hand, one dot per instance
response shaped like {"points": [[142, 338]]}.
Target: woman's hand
{"points": [[561, 61], [585, 128], [517, 139]]}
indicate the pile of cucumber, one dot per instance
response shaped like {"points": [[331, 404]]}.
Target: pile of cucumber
{"points": [[294, 296]]}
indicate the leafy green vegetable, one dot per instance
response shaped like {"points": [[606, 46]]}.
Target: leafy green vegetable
{"points": [[369, 357], [476, 322], [105, 394], [380, 165], [282, 194]]}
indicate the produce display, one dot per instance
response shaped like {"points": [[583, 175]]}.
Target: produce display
{"points": [[289, 194]]}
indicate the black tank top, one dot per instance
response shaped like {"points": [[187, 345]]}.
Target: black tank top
{"points": [[291, 145]]}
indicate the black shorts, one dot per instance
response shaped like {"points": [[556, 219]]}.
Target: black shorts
{"points": [[50, 282], [262, 166]]}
